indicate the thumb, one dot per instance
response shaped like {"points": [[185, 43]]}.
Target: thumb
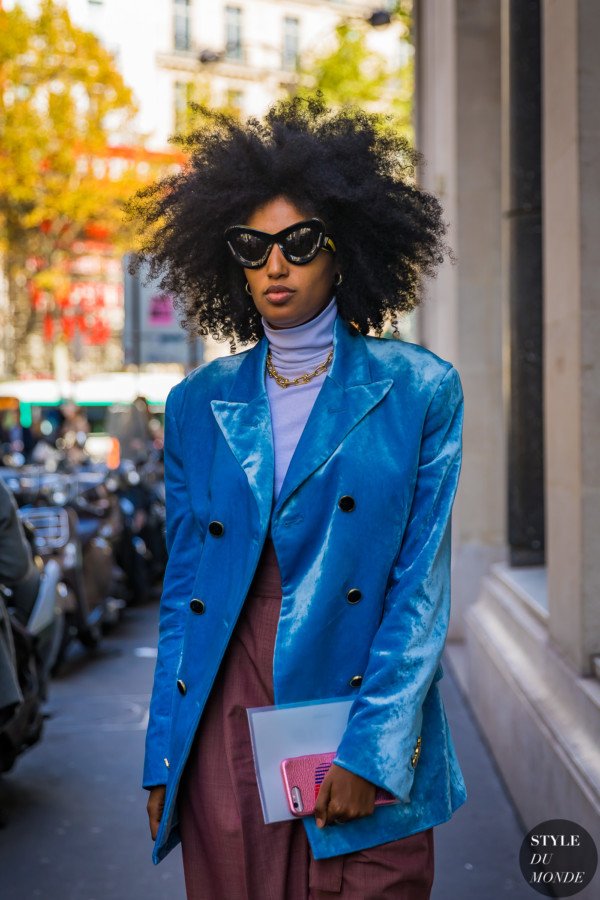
{"points": [[322, 803]]}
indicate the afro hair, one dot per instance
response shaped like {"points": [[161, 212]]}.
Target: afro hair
{"points": [[348, 167]]}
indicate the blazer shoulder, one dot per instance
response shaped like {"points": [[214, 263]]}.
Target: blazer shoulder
{"points": [[413, 365], [211, 379]]}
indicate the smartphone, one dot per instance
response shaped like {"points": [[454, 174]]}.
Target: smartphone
{"points": [[303, 777]]}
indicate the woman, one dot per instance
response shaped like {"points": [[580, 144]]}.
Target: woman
{"points": [[310, 481]]}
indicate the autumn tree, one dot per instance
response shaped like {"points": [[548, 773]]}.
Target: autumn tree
{"points": [[352, 74], [62, 102]]}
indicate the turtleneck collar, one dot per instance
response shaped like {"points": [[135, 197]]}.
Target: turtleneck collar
{"points": [[301, 345]]}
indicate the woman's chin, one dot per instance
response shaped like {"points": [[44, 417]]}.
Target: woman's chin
{"points": [[280, 316]]}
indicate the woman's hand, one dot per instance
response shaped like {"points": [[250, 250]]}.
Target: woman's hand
{"points": [[155, 806], [344, 796]]}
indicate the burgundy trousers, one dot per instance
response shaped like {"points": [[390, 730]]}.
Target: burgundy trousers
{"points": [[228, 851]]}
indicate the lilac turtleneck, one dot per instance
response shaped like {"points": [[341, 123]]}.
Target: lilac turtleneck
{"points": [[294, 351]]}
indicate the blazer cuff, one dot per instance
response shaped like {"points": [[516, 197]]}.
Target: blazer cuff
{"points": [[155, 772], [366, 756]]}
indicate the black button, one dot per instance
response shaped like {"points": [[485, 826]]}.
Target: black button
{"points": [[181, 687], [354, 595], [216, 528], [346, 503], [198, 606], [355, 681]]}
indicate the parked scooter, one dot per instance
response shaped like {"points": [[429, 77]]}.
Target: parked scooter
{"points": [[141, 549], [47, 619], [74, 527], [77, 531], [31, 629], [27, 655]]}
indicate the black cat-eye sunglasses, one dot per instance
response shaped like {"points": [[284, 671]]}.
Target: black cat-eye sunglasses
{"points": [[299, 243]]}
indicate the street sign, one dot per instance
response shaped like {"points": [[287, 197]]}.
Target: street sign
{"points": [[152, 332]]}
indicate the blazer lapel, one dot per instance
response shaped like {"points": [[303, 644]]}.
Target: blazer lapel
{"points": [[245, 421], [348, 393]]}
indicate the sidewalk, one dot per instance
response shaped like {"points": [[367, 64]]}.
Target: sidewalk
{"points": [[477, 851], [76, 822]]}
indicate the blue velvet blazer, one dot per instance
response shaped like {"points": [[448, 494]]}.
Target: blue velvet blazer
{"points": [[365, 508]]}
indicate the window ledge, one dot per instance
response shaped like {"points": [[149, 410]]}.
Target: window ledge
{"points": [[528, 584], [507, 632]]}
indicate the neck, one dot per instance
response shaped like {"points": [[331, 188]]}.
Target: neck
{"points": [[301, 345]]}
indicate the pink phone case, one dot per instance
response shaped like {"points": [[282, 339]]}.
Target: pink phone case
{"points": [[304, 775]]}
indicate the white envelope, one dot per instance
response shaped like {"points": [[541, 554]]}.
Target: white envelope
{"points": [[294, 729]]}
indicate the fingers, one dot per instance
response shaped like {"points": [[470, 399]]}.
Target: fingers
{"points": [[323, 802], [154, 808], [343, 796], [153, 822]]}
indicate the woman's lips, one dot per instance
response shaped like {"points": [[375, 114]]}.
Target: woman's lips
{"points": [[277, 295]]}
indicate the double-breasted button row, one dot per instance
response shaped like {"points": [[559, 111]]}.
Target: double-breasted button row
{"points": [[198, 606], [355, 681], [416, 752], [181, 687], [354, 595], [346, 503], [217, 529]]}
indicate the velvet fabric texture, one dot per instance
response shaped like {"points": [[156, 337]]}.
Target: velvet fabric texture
{"points": [[362, 532]]}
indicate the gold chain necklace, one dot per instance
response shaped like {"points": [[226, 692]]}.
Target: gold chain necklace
{"points": [[284, 382]]}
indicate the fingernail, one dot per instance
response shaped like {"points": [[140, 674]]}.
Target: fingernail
{"points": [[320, 823]]}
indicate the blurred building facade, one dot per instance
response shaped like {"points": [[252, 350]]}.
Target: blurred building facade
{"points": [[509, 124], [241, 54]]}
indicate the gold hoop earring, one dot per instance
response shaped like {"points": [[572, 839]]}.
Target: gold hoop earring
{"points": [[248, 289], [338, 278]]}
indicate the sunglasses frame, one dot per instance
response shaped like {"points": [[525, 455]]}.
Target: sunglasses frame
{"points": [[324, 242]]}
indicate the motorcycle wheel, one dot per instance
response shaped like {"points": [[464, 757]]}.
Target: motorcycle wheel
{"points": [[90, 636], [7, 756], [68, 634]]}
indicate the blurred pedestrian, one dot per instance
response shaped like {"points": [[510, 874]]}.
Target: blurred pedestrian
{"points": [[310, 482], [133, 427], [72, 436]]}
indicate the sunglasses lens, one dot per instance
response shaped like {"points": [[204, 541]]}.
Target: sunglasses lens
{"points": [[299, 244], [249, 247], [302, 243]]}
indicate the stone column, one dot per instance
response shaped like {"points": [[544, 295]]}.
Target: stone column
{"points": [[458, 131], [571, 37]]}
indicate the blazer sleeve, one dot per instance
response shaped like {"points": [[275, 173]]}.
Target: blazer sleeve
{"points": [[182, 539], [386, 717]]}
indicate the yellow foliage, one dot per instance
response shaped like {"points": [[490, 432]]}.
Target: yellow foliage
{"points": [[69, 157]]}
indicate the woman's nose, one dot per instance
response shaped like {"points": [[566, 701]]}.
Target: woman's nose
{"points": [[276, 263]]}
